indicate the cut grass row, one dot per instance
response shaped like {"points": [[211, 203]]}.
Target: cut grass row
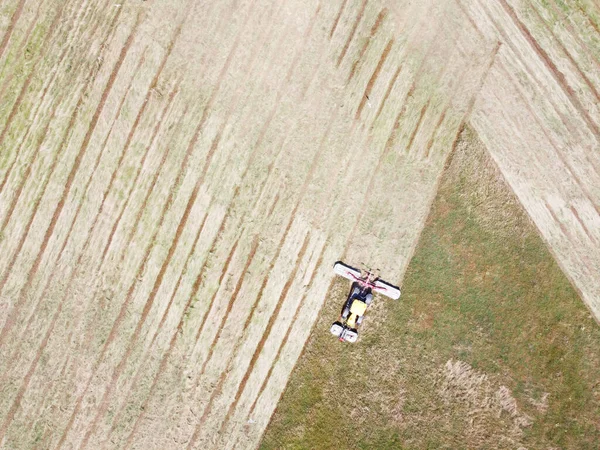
{"points": [[489, 346]]}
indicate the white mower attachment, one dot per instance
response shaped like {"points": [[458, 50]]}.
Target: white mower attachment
{"points": [[376, 285], [343, 333]]}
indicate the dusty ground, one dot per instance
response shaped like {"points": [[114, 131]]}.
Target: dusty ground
{"points": [[177, 178]]}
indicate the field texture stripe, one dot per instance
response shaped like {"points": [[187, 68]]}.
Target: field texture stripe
{"points": [[79, 206], [285, 339], [569, 56], [308, 178], [556, 74], [213, 148], [163, 319], [554, 145], [87, 335], [199, 277], [352, 32], [11, 26], [166, 356], [257, 351], [120, 317], [11, 315], [374, 77], [75, 167], [21, 46], [232, 300], [182, 223], [139, 166], [45, 90], [150, 301], [337, 18], [565, 20], [380, 18], [25, 87], [391, 85], [26, 380]]}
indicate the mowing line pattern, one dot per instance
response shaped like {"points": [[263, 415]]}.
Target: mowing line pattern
{"points": [[174, 200]]}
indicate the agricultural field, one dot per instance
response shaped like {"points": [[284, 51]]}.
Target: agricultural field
{"points": [[489, 347], [177, 178]]}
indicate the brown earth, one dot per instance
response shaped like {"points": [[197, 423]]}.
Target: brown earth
{"points": [[178, 177]]}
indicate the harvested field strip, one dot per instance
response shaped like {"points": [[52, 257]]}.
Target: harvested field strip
{"points": [[257, 351], [361, 11], [372, 80], [551, 140], [24, 90], [8, 32], [58, 209], [42, 62], [380, 17]]}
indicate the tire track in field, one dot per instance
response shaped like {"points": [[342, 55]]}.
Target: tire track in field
{"points": [[21, 46], [506, 39], [556, 73], [258, 298], [415, 130], [26, 380], [9, 322], [331, 220], [140, 166], [352, 32], [565, 20], [11, 26], [389, 88], [257, 352], [33, 120], [553, 143], [284, 341], [25, 87], [119, 319], [256, 146], [552, 69], [179, 330], [374, 76], [453, 88], [87, 336], [380, 18], [585, 229], [228, 418], [25, 177], [147, 252], [230, 303], [213, 149], [37, 307], [337, 18], [86, 192], [392, 136], [569, 56], [192, 144]]}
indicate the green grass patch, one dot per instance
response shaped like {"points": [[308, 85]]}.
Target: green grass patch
{"points": [[489, 346]]}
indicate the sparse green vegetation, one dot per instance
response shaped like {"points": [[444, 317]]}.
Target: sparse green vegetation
{"points": [[489, 347]]}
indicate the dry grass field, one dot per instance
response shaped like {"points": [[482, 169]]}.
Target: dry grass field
{"points": [[176, 179]]}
